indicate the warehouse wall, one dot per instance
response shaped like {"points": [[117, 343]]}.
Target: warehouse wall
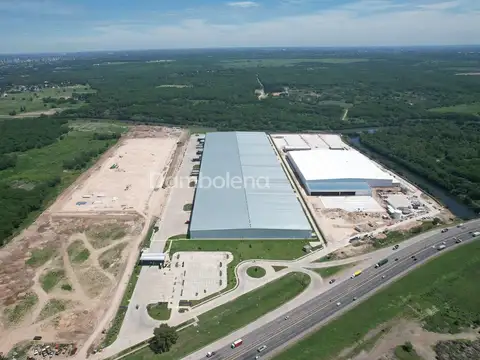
{"points": [[338, 187], [251, 234]]}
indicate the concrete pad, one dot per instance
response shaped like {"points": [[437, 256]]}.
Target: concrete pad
{"points": [[199, 274]]}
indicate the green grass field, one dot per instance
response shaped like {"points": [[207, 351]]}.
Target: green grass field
{"points": [[287, 62], [332, 270], [39, 164], [462, 109], [402, 353], [40, 256], [444, 292], [227, 318], [77, 252], [256, 272], [244, 250], [159, 311], [33, 101], [51, 279]]}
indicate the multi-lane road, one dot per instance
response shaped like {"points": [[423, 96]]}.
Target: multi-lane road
{"points": [[342, 296]]}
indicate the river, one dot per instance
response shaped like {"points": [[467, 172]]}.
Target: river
{"points": [[456, 207]]}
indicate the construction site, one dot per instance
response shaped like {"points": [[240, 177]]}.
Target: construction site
{"points": [[350, 196], [61, 274]]}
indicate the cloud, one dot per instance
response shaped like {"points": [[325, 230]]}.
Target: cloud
{"points": [[441, 5], [243, 4], [362, 23]]}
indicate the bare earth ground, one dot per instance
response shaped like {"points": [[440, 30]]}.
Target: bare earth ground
{"points": [[403, 331], [79, 257]]}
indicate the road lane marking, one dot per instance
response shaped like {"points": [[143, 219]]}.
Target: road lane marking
{"points": [[309, 313]]}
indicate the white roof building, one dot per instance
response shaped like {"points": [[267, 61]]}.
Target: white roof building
{"points": [[341, 172]]}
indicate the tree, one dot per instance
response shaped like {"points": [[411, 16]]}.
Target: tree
{"points": [[164, 337], [408, 347]]}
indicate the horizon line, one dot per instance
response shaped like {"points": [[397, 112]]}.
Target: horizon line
{"points": [[64, 53]]}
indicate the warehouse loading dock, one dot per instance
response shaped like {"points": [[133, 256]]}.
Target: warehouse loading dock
{"points": [[262, 205]]}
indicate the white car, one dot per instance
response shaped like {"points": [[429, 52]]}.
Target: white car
{"points": [[339, 303]]}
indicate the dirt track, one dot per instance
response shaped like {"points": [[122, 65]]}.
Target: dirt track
{"points": [[80, 256]]}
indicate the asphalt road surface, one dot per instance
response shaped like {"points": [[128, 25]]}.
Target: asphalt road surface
{"points": [[342, 296]]}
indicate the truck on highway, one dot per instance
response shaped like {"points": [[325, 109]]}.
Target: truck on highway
{"points": [[381, 262], [476, 233], [356, 273], [236, 343]]}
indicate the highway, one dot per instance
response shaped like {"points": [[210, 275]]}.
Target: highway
{"points": [[310, 315]]}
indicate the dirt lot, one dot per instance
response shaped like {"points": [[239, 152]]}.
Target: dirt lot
{"points": [[61, 274], [126, 179], [338, 224]]}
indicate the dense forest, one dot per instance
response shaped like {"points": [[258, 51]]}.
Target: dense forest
{"points": [[216, 89], [445, 152], [25, 134]]}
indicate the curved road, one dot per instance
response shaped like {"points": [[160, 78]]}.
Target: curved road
{"points": [[281, 332]]}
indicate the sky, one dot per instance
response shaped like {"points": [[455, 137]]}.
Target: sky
{"points": [[88, 25]]}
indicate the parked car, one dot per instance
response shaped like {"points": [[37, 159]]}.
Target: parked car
{"points": [[331, 281]]}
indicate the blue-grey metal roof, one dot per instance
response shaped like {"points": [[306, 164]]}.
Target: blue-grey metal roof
{"points": [[242, 185]]}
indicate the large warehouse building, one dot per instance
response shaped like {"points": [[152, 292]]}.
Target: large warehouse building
{"points": [[243, 193], [337, 172]]}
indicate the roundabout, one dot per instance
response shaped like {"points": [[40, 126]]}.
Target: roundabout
{"points": [[256, 272]]}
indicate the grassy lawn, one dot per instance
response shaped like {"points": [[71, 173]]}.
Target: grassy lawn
{"points": [[227, 318], [51, 279], [244, 250], [256, 272], [332, 270], [16, 313], [461, 108], [445, 291], [278, 268], [159, 311], [33, 101]]}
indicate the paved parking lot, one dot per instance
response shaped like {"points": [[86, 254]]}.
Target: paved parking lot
{"points": [[199, 274]]}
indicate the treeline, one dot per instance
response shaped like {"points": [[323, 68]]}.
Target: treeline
{"points": [[7, 161], [81, 160], [23, 134], [444, 152], [17, 204], [106, 136]]}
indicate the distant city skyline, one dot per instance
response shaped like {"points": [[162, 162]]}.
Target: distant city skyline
{"points": [[56, 26]]}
